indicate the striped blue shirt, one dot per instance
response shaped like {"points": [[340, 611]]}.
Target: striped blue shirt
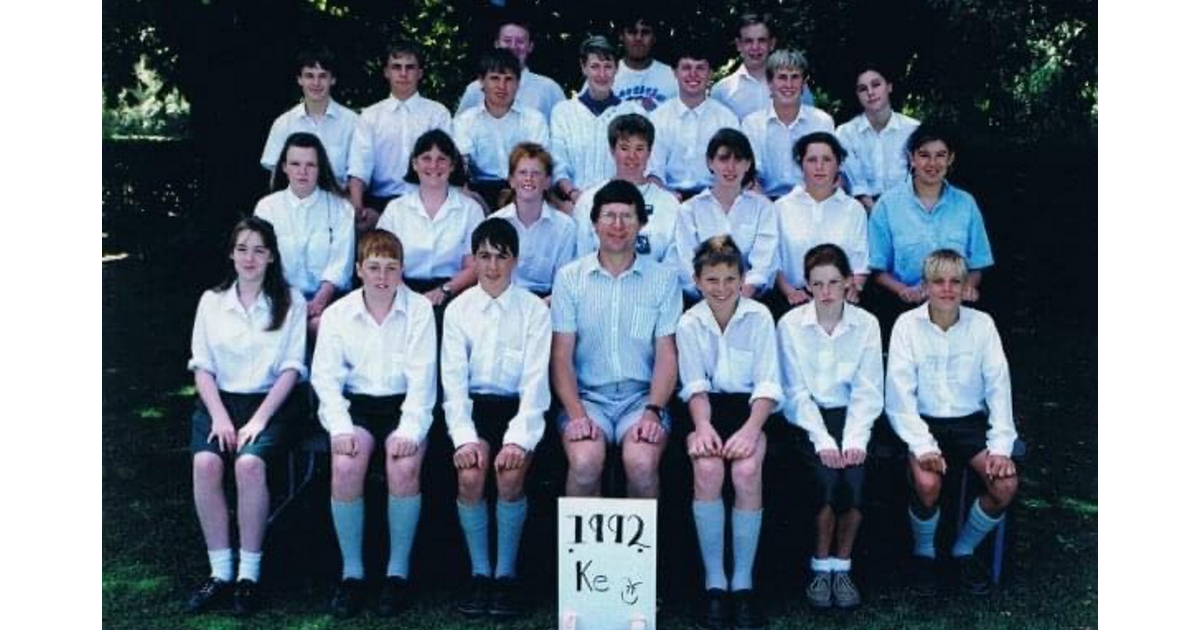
{"points": [[615, 320]]}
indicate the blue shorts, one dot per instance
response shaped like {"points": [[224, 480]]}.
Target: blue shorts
{"points": [[615, 408]]}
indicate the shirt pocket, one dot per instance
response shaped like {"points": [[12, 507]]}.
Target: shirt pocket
{"points": [[512, 365], [963, 368], [845, 371], [955, 237], [641, 322]]}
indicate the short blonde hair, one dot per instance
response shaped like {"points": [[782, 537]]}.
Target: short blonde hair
{"points": [[944, 260]]}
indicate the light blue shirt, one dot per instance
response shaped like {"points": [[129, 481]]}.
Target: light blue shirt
{"points": [[616, 321], [546, 246], [901, 232]]}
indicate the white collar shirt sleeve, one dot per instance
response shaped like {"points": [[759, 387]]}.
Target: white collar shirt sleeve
{"points": [[805, 223], [742, 359], [233, 344], [821, 370], [948, 374], [500, 347]]}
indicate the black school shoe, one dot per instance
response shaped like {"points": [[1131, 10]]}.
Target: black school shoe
{"points": [[246, 599], [475, 604], [349, 598], [924, 576], [504, 603], [211, 592], [972, 577], [395, 596], [714, 610], [746, 613]]}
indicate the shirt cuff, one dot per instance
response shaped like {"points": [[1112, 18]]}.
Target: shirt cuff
{"points": [[463, 432], [768, 390], [1000, 447], [338, 423], [693, 388], [527, 439], [199, 364], [412, 428], [301, 369]]}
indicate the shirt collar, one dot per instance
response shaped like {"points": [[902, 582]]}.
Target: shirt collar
{"points": [[964, 315], [230, 301], [744, 74], [394, 104], [773, 115], [598, 107], [741, 311], [295, 202], [399, 303], [505, 302], [591, 264], [850, 318]]}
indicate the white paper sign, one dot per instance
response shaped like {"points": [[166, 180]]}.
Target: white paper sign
{"points": [[606, 563]]}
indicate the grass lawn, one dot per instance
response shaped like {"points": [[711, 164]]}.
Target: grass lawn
{"points": [[1043, 296]]}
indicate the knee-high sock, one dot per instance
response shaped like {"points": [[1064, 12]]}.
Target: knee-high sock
{"points": [[710, 529], [977, 526], [403, 515], [510, 523], [746, 526], [923, 533], [348, 524], [474, 521]]}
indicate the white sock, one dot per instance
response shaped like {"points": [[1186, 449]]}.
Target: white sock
{"points": [[838, 564], [221, 561], [248, 565], [821, 565]]}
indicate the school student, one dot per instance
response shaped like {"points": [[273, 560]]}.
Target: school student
{"points": [[950, 399], [495, 374], [729, 375], [375, 375], [247, 356], [832, 360]]}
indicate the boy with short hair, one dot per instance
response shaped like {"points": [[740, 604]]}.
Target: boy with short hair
{"points": [[385, 134], [375, 375], [746, 90], [948, 396], [774, 130], [495, 374], [536, 92], [486, 134], [685, 124], [317, 114]]}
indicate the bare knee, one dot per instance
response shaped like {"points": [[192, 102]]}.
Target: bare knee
{"points": [[470, 484], [250, 469], [587, 464], [510, 484], [747, 475], [928, 487], [404, 476], [708, 475], [207, 469], [1002, 491]]}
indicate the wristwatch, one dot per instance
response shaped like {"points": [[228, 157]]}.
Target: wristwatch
{"points": [[656, 410], [446, 290]]}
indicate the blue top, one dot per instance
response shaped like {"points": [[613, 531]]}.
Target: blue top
{"points": [[901, 232]]}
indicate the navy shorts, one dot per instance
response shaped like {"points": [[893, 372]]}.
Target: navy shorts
{"points": [[841, 489], [491, 415], [275, 438], [379, 415], [960, 439]]}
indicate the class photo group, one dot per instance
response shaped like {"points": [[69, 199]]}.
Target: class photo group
{"points": [[656, 259]]}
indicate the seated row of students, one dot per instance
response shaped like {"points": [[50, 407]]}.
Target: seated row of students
{"points": [[609, 345], [509, 104], [437, 217]]}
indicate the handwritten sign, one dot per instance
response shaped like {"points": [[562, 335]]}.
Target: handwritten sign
{"points": [[606, 563]]}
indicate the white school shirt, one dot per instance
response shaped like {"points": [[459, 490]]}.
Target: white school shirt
{"points": [[772, 141], [546, 246], [356, 355], [805, 223], [742, 359], [501, 347], [681, 136], [384, 138], [579, 141], [876, 161], [656, 239], [487, 141], [433, 248], [751, 222], [744, 94], [536, 92], [825, 370], [948, 374], [316, 237], [233, 344], [650, 87], [336, 131]]}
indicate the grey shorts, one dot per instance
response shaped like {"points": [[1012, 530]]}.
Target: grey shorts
{"points": [[615, 408]]}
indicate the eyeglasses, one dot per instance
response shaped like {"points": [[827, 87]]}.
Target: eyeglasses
{"points": [[609, 218]]}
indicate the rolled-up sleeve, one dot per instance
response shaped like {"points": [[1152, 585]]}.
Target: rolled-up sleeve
{"points": [[201, 352], [690, 341], [766, 367]]}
